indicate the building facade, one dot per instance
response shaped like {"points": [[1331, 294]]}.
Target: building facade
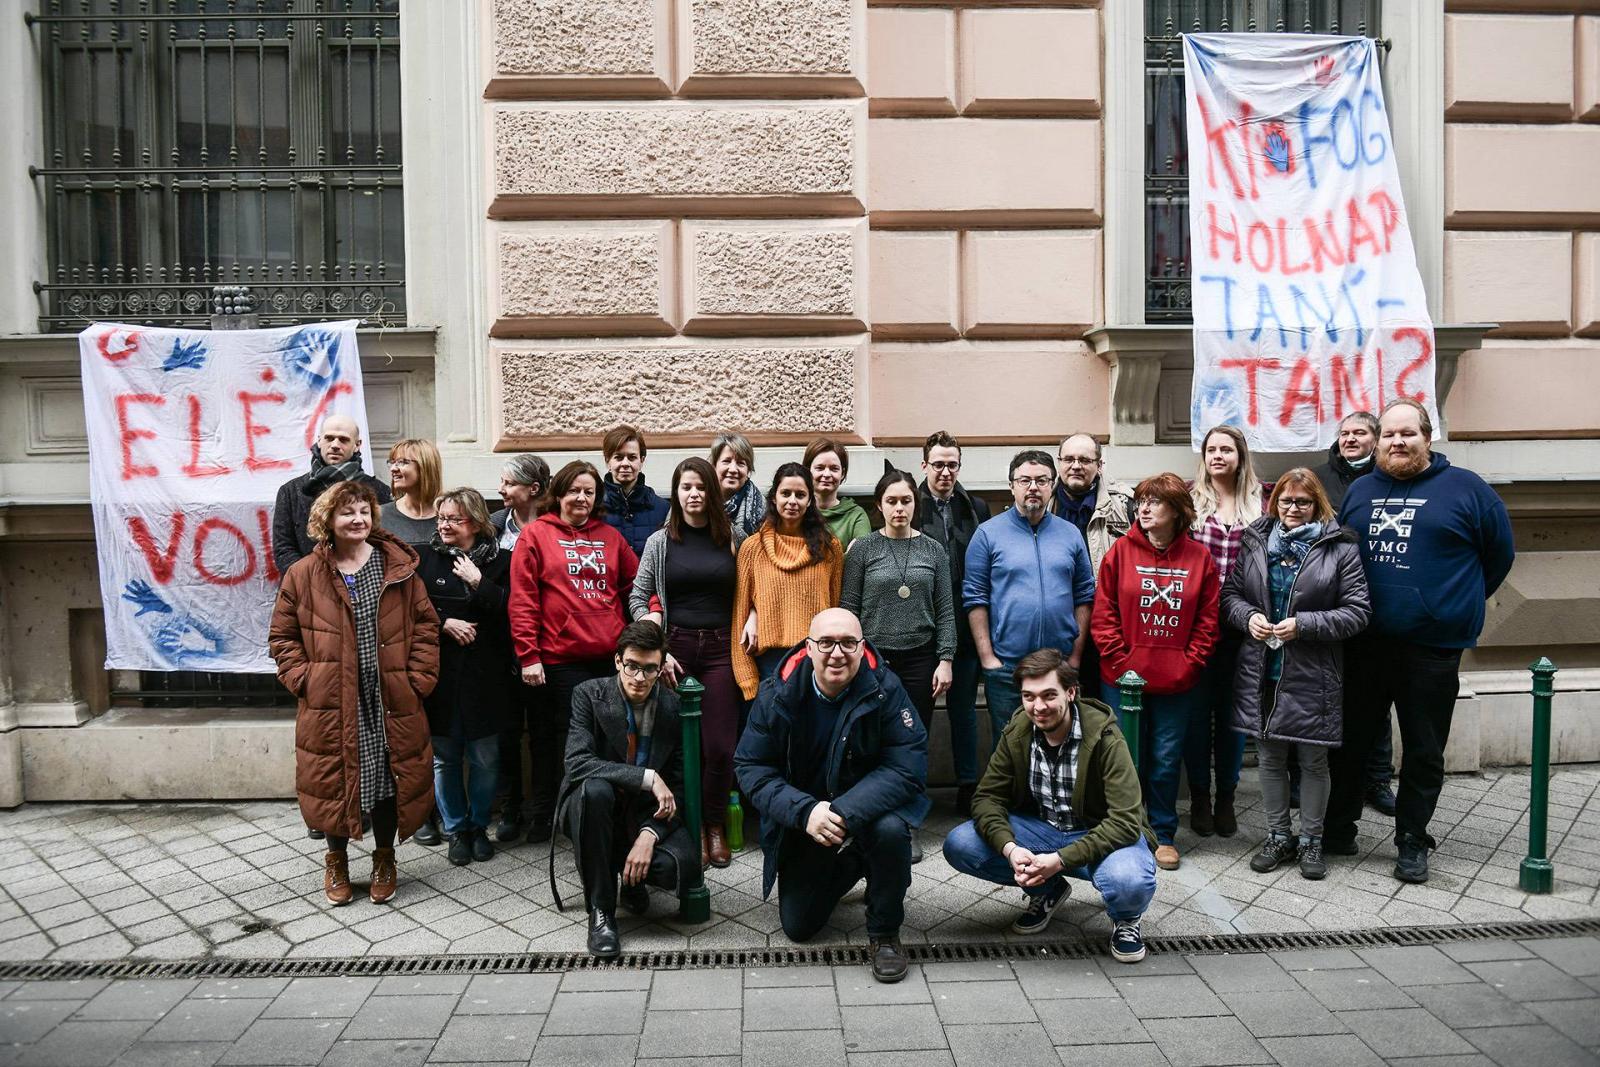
{"points": [[871, 219]]}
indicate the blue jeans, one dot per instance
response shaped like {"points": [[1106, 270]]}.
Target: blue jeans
{"points": [[1162, 729], [1126, 878], [961, 704], [465, 807], [1213, 746], [1004, 698]]}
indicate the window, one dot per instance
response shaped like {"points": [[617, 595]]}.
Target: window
{"points": [[192, 143], [1166, 190], [197, 689]]}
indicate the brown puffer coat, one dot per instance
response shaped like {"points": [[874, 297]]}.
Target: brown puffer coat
{"points": [[313, 640]]}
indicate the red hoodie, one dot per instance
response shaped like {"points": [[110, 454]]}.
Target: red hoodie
{"points": [[568, 588], [1156, 612]]}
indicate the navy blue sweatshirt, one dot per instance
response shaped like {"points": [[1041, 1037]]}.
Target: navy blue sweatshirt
{"points": [[1434, 549]]}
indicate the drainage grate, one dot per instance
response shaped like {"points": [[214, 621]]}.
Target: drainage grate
{"points": [[838, 955]]}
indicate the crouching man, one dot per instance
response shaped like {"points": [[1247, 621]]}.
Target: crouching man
{"points": [[1061, 800], [836, 761], [619, 799]]}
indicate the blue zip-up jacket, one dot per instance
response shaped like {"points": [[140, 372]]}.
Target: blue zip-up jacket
{"points": [[1030, 578], [877, 762], [635, 515], [1434, 549]]}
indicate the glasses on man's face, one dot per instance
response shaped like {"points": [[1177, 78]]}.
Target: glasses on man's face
{"points": [[945, 465], [1076, 461], [1032, 483], [828, 645], [1299, 503], [642, 671]]}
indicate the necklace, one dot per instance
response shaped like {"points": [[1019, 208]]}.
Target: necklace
{"points": [[905, 568]]}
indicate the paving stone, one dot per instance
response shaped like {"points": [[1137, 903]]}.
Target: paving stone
{"points": [[1577, 956], [603, 979], [26, 1021], [1476, 1059], [801, 1008], [1317, 959], [1414, 965], [855, 986], [487, 1038], [137, 1000], [1531, 980], [284, 1041], [1024, 1045], [240, 987], [1348, 990], [378, 1053], [1201, 1042], [891, 1028], [509, 994], [1481, 951], [691, 1033], [923, 1058], [1150, 966], [1242, 973], [784, 1048], [594, 1050], [1169, 995], [1283, 1013], [173, 1053], [421, 1017], [202, 1020], [689, 990], [1462, 1006], [1578, 1019], [787, 977], [82, 1044], [1511, 1046], [80, 989], [981, 1002], [317, 998], [1087, 1021], [971, 971], [615, 1012], [1338, 1050], [417, 985], [1140, 1055], [1404, 1032]]}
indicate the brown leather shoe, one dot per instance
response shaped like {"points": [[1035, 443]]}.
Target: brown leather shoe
{"points": [[705, 847], [1167, 857], [720, 856], [384, 875], [336, 878]]}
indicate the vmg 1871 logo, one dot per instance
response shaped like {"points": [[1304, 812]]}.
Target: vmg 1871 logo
{"points": [[1389, 530], [1161, 599]]}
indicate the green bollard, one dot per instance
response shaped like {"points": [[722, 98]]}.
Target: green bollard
{"points": [[1538, 874], [695, 904], [1132, 710]]}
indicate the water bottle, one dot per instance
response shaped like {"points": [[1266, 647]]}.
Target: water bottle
{"points": [[735, 823]]}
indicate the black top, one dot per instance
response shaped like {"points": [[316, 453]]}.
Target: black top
{"points": [[700, 579], [813, 733]]}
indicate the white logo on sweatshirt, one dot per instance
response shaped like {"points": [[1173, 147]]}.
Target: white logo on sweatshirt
{"points": [[1389, 529], [586, 565], [1161, 588]]}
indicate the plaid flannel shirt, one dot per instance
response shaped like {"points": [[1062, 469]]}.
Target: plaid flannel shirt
{"points": [[1052, 778], [1221, 541]]}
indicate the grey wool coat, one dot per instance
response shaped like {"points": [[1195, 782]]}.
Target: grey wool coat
{"points": [[1330, 604], [597, 747]]}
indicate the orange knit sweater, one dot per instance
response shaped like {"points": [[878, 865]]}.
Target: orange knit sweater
{"points": [[785, 589]]}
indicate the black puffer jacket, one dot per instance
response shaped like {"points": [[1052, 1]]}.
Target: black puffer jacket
{"points": [[476, 681], [1330, 603]]}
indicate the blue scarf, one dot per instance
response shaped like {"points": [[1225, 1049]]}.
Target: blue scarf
{"points": [[1286, 551]]}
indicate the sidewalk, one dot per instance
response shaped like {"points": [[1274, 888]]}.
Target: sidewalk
{"points": [[110, 881]]}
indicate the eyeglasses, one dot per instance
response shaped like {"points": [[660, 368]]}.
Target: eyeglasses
{"points": [[450, 520], [1076, 461], [827, 645], [945, 465], [393, 463], [1028, 483], [1299, 502], [641, 671]]}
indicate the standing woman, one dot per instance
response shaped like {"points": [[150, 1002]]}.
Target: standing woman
{"points": [[417, 478], [829, 464], [357, 642], [571, 574], [522, 482], [468, 578], [1227, 498], [735, 462], [1155, 612], [1298, 591], [690, 567], [789, 570]]}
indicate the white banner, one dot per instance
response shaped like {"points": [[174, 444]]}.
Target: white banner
{"points": [[191, 432], [1307, 301]]}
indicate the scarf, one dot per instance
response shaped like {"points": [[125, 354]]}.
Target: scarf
{"points": [[746, 508], [325, 474], [481, 552], [1283, 543]]}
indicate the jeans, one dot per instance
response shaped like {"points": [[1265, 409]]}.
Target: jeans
{"points": [[1162, 728], [1004, 697], [707, 656], [610, 822], [812, 878], [1126, 878], [1421, 682], [547, 746], [768, 662], [465, 808], [1212, 744], [961, 704], [1274, 766]]}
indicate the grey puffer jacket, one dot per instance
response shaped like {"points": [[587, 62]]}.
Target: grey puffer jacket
{"points": [[1330, 604]]}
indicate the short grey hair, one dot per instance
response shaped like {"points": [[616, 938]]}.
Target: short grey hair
{"points": [[1422, 413], [527, 469], [736, 441], [1367, 419]]}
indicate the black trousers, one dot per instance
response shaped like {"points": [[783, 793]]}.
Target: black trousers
{"points": [[914, 667], [385, 823], [604, 823], [521, 717], [812, 878], [547, 739], [1420, 682]]}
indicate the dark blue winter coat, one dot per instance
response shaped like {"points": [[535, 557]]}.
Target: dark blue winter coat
{"points": [[1434, 548], [878, 755], [635, 515]]}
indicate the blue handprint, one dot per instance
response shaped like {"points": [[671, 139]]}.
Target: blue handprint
{"points": [[312, 355], [1277, 147], [190, 356], [187, 638], [140, 593]]}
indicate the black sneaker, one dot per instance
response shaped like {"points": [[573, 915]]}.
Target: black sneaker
{"points": [[509, 829], [1312, 865], [539, 831], [1275, 852], [603, 940], [1127, 943], [916, 849], [1041, 908], [1380, 798], [482, 847], [635, 898], [428, 832], [1340, 845], [460, 849], [1412, 866], [889, 960], [316, 835]]}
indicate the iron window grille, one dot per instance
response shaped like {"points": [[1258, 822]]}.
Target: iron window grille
{"points": [[1166, 186], [197, 689], [192, 143]]}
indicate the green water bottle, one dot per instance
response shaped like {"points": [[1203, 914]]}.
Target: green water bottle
{"points": [[735, 827]]}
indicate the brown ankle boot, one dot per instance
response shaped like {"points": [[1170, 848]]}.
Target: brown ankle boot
{"points": [[720, 856], [1227, 821], [705, 847], [1200, 820], [384, 875], [336, 878]]}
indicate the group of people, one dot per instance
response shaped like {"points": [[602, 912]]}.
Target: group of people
{"points": [[417, 628]]}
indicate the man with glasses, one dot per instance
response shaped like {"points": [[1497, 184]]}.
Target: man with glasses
{"points": [[836, 761], [1029, 584], [1101, 510], [950, 515], [618, 801]]}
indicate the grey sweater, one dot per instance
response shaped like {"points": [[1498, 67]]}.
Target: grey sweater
{"points": [[875, 568], [651, 581]]}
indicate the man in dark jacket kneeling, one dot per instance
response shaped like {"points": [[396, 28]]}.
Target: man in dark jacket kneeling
{"points": [[1061, 800], [619, 799], [836, 761]]}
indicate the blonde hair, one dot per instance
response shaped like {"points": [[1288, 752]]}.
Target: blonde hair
{"points": [[319, 524], [470, 501], [430, 468], [1246, 486]]}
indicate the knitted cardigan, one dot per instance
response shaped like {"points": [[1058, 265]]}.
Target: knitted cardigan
{"points": [[650, 584], [778, 580]]}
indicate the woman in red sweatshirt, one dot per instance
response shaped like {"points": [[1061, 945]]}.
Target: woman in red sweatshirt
{"points": [[1155, 613], [571, 574]]}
